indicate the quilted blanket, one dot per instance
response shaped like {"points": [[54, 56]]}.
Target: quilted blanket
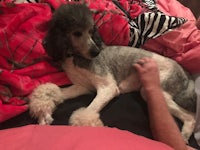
{"points": [[23, 61]]}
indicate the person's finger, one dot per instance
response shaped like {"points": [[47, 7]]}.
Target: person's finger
{"points": [[138, 67], [141, 62], [147, 60], [144, 60]]}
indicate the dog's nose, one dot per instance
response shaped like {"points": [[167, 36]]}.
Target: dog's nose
{"points": [[94, 51]]}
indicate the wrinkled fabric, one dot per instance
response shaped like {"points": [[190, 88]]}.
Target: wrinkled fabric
{"points": [[23, 61], [183, 43], [113, 22], [107, 18]]}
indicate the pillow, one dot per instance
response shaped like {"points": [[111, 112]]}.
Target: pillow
{"points": [[131, 23], [35, 137], [183, 43], [150, 25]]}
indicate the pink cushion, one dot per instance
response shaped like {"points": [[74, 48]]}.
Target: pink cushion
{"points": [[181, 44], [36, 137]]}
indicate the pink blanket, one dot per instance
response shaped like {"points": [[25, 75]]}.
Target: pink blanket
{"points": [[36, 137], [181, 44]]}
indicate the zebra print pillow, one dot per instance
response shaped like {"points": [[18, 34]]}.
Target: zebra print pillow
{"points": [[151, 24]]}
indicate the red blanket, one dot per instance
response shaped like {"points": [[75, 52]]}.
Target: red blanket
{"points": [[23, 61]]}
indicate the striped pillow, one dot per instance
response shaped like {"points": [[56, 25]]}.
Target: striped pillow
{"points": [[151, 25]]}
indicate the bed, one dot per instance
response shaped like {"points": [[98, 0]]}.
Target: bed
{"points": [[25, 65]]}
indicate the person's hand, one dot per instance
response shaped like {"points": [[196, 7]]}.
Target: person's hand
{"points": [[148, 73]]}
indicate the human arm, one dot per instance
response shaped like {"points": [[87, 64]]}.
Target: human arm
{"points": [[163, 126]]}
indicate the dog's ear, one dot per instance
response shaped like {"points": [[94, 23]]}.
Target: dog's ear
{"points": [[56, 44]]}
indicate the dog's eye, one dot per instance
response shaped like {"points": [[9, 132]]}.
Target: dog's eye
{"points": [[77, 34]]}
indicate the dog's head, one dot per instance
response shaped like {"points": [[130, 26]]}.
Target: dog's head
{"points": [[72, 32]]}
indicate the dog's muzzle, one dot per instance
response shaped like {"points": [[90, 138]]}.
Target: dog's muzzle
{"points": [[94, 51]]}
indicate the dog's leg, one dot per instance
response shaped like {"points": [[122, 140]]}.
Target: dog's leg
{"points": [[46, 97], [90, 116], [74, 91], [185, 116], [42, 102]]}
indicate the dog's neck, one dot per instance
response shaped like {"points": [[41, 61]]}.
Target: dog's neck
{"points": [[81, 61]]}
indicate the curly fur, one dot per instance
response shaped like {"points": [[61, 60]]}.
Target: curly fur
{"points": [[72, 26], [43, 101], [90, 118], [107, 70]]}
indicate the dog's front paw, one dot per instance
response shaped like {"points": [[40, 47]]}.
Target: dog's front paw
{"points": [[43, 101], [85, 117], [45, 119]]}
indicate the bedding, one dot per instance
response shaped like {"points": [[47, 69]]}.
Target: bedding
{"points": [[76, 138], [183, 43], [24, 63]]}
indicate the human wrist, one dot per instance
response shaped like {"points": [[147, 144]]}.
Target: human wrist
{"points": [[153, 93], [150, 89]]}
